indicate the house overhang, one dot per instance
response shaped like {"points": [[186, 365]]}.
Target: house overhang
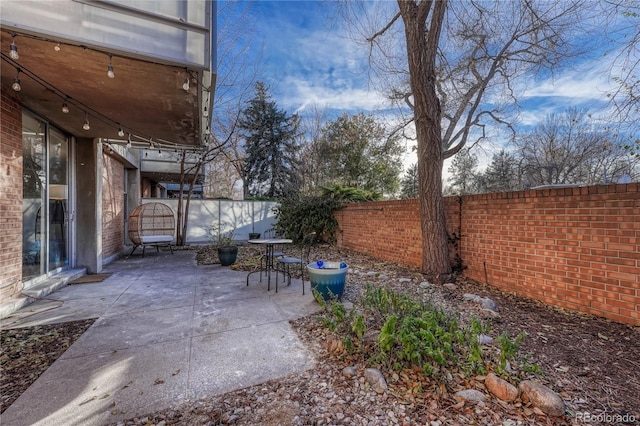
{"points": [[146, 98]]}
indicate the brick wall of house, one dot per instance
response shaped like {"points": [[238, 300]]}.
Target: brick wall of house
{"points": [[10, 195], [113, 214], [577, 248]]}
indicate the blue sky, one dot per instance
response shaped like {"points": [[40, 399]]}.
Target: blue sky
{"points": [[305, 59]]}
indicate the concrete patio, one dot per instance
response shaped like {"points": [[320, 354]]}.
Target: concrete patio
{"points": [[167, 330]]}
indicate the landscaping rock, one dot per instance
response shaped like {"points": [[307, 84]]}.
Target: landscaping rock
{"points": [[425, 284], [500, 388], [483, 339], [450, 286], [470, 395], [349, 372], [488, 313], [542, 397], [404, 280], [489, 305], [472, 297], [371, 336], [375, 379]]}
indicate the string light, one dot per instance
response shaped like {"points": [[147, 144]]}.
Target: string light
{"points": [[67, 101], [110, 72], [86, 126], [13, 49], [185, 85], [159, 152], [16, 82]]}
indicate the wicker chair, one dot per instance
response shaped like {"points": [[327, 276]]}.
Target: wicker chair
{"points": [[151, 224]]}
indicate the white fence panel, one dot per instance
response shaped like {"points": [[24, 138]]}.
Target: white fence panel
{"points": [[224, 215]]}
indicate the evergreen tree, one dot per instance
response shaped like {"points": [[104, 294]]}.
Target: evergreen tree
{"points": [[501, 175], [271, 165], [409, 183], [357, 151], [463, 173]]}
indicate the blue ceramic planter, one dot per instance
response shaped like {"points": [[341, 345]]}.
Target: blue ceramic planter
{"points": [[328, 278]]}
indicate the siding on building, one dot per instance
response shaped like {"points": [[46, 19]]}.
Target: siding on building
{"points": [[113, 206], [10, 195]]}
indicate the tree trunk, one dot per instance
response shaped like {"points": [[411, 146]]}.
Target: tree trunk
{"points": [[422, 47], [180, 238]]}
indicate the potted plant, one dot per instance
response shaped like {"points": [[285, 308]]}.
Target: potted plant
{"points": [[227, 248], [327, 278]]}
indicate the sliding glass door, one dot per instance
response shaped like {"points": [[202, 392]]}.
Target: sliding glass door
{"points": [[45, 233]]}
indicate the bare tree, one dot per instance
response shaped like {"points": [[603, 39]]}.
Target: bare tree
{"points": [[311, 125], [461, 62], [572, 148], [237, 74], [624, 20], [233, 73]]}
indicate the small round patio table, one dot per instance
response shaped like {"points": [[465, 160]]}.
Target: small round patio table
{"points": [[269, 264]]}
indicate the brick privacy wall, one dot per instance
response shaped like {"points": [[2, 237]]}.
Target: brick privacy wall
{"points": [[113, 214], [10, 195], [577, 248]]}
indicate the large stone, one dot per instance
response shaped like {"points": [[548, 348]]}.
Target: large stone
{"points": [[489, 305], [450, 286], [472, 297], [500, 388], [470, 395], [375, 379], [542, 397]]}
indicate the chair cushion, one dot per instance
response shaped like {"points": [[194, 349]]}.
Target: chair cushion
{"points": [[154, 239], [290, 260]]}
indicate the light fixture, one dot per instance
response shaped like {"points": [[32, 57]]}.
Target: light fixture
{"points": [[120, 132], [129, 141], [185, 85], [110, 72], [13, 49], [65, 108], [86, 126], [57, 47], [16, 82]]}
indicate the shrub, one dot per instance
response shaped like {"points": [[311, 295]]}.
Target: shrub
{"points": [[299, 215]]}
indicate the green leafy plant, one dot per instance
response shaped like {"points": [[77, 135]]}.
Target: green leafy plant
{"points": [[508, 349], [349, 194], [412, 333]]}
